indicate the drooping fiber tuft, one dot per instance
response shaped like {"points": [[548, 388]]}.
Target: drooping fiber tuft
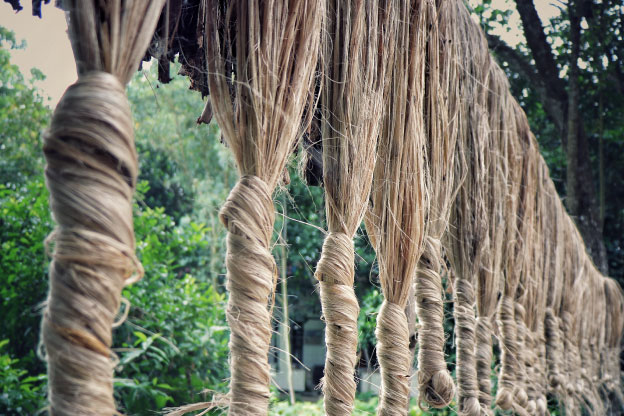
{"points": [[395, 220], [91, 173], [357, 48], [261, 58]]}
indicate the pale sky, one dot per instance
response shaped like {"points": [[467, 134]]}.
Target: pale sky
{"points": [[48, 47]]}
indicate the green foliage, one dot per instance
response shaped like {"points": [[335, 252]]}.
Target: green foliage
{"points": [[23, 116], [367, 320], [165, 191], [173, 344], [19, 393], [25, 222]]}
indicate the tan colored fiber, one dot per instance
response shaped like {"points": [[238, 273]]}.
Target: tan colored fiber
{"points": [[91, 174], [261, 59], [398, 198], [468, 237], [442, 105], [356, 48]]}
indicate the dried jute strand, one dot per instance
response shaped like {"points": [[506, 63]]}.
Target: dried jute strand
{"points": [[357, 48], [396, 219], [91, 173], [335, 272], [248, 216], [465, 323], [436, 385], [261, 57]]}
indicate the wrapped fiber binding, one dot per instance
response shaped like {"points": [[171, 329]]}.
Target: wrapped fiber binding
{"points": [[442, 106], [468, 238], [261, 59], [91, 173], [356, 48], [396, 217]]}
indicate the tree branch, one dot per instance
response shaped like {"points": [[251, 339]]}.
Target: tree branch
{"points": [[540, 50], [520, 64]]}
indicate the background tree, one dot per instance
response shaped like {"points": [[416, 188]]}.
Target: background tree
{"points": [[567, 75]]}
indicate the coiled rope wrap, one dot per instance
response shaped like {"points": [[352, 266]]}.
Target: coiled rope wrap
{"points": [[335, 273], [248, 216], [505, 397], [394, 358], [91, 174], [483, 357], [435, 383], [465, 323]]}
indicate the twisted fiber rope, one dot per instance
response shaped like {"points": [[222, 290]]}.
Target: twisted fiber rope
{"points": [[435, 382], [509, 355], [553, 350], [261, 58], [394, 358], [335, 272], [521, 396], [542, 402], [248, 216], [465, 323], [483, 358], [91, 173], [358, 45]]}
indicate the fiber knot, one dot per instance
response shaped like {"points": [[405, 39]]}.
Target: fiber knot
{"points": [[394, 358], [251, 277], [504, 398], [337, 260], [248, 210], [340, 312]]}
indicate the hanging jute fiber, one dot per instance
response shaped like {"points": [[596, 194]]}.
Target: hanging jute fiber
{"points": [[467, 238], [261, 58], [416, 130], [398, 204], [442, 106], [489, 277], [356, 50], [91, 173]]}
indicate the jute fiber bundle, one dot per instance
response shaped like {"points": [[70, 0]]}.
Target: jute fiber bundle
{"points": [[468, 236], [554, 292], [489, 277], [261, 58], [442, 106], [537, 298], [91, 173], [509, 394], [525, 299], [356, 49], [398, 204]]}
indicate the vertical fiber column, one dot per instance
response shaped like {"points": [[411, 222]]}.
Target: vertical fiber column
{"points": [[357, 46], [91, 174], [261, 58], [396, 217], [442, 106]]}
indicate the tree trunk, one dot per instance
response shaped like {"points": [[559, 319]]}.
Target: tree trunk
{"points": [[580, 193]]}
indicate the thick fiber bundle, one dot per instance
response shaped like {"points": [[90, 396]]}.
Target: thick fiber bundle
{"points": [[356, 50], [261, 58], [468, 236], [396, 217], [489, 277], [554, 288], [509, 394], [91, 174], [442, 106]]}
